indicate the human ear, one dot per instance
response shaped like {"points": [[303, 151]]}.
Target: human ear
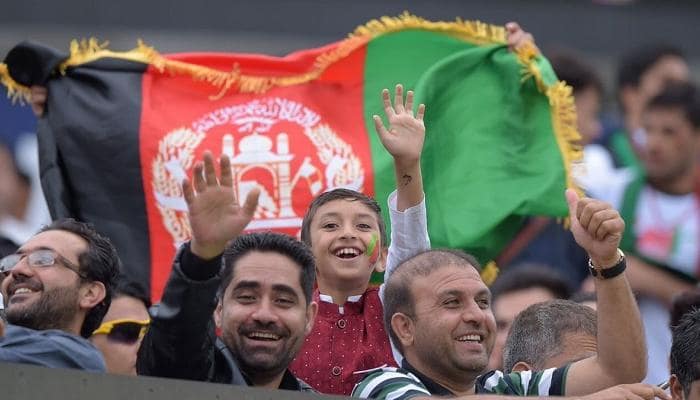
{"points": [[311, 312], [403, 328], [521, 366], [676, 388], [380, 265], [92, 294], [217, 314]]}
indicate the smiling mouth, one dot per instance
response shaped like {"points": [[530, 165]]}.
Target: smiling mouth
{"points": [[472, 338], [347, 253], [263, 336]]}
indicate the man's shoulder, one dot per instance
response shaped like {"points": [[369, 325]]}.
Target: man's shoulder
{"points": [[548, 382], [50, 348], [389, 382]]}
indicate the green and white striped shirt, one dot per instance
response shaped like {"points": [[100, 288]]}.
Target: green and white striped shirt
{"points": [[406, 382]]}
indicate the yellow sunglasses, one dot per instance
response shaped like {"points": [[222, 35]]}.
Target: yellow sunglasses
{"points": [[126, 331]]}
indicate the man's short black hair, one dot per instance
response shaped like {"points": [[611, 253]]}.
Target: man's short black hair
{"points": [[341, 194], [131, 288], [100, 263], [398, 297], [685, 350], [636, 63], [528, 276], [273, 243], [681, 96]]}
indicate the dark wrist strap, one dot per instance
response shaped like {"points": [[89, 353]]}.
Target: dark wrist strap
{"points": [[607, 273]]}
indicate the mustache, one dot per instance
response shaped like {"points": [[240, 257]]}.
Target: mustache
{"points": [[256, 326], [27, 282]]}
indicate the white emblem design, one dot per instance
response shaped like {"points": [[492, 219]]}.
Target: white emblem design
{"points": [[257, 150]]}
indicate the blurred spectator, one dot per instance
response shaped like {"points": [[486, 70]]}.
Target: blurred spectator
{"points": [[685, 358], [23, 210], [683, 304], [586, 298], [550, 335], [122, 329], [516, 289], [661, 210], [642, 74]]}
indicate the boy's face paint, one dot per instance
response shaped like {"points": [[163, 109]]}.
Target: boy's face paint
{"points": [[372, 250], [345, 242]]}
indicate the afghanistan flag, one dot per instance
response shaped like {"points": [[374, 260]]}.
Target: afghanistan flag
{"points": [[122, 129]]}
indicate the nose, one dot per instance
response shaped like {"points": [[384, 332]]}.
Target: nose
{"points": [[265, 312], [21, 268], [473, 314], [348, 231]]}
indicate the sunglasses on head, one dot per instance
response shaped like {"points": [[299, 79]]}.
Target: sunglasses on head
{"points": [[123, 330]]}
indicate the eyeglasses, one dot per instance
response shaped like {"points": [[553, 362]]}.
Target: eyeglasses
{"points": [[126, 331], [39, 258]]}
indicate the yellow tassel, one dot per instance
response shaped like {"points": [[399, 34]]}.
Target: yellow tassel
{"points": [[489, 273], [561, 101], [15, 91]]}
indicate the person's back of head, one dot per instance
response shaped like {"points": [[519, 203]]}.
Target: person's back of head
{"points": [[516, 288], [685, 358], [550, 334]]}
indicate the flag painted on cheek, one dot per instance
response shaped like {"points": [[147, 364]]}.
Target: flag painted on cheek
{"points": [[372, 251], [123, 129]]}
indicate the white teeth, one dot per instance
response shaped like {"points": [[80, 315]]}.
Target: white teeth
{"points": [[469, 338], [347, 251], [263, 335], [23, 290]]}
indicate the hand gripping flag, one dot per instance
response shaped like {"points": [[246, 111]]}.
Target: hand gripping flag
{"points": [[123, 128]]}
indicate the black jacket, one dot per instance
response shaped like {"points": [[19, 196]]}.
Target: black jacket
{"points": [[181, 341]]}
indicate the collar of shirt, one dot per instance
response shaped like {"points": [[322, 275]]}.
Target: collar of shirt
{"points": [[433, 387], [326, 300]]}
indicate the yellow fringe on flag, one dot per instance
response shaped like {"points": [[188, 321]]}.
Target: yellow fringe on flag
{"points": [[15, 91], [479, 33], [489, 273]]}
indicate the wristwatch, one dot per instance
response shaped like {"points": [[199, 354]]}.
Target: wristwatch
{"points": [[607, 273]]}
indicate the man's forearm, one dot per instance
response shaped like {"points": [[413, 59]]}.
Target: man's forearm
{"points": [[622, 350]]}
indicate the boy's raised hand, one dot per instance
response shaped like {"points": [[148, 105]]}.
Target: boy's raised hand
{"points": [[214, 212], [406, 133]]}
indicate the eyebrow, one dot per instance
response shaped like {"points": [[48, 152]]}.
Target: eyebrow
{"points": [[21, 250], [337, 215], [255, 285], [458, 293]]}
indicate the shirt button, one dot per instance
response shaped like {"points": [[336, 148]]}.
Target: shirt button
{"points": [[336, 370], [341, 323]]}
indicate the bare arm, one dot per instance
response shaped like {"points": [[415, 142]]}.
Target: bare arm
{"points": [[636, 391], [621, 357]]}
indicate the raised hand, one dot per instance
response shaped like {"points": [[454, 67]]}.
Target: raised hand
{"points": [[215, 215], [518, 38], [597, 227], [406, 134], [37, 95]]}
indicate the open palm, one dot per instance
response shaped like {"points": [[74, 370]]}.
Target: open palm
{"points": [[215, 215], [406, 134]]}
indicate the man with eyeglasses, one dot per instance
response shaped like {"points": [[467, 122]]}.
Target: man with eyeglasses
{"points": [[57, 288]]}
